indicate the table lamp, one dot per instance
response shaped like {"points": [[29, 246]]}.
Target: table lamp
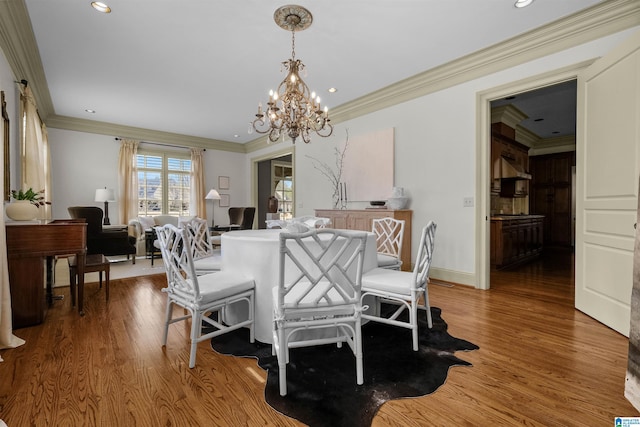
{"points": [[213, 195], [105, 195]]}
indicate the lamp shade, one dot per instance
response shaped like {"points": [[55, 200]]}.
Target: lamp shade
{"points": [[212, 195], [105, 195]]}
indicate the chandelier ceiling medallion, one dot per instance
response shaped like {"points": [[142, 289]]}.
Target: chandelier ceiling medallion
{"points": [[291, 109]]}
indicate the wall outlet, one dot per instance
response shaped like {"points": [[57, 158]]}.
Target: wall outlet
{"points": [[467, 202]]}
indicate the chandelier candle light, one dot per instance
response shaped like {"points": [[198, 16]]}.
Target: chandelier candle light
{"points": [[291, 110]]}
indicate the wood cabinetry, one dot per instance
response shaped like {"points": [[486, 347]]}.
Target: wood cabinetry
{"points": [[516, 239], [28, 247], [551, 196], [362, 220], [502, 146]]}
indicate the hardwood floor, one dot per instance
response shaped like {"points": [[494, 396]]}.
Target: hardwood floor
{"points": [[540, 363]]}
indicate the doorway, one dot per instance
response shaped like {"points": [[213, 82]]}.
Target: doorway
{"points": [[484, 164], [273, 175], [538, 238]]}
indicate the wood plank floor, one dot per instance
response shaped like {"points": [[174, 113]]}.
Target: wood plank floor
{"points": [[540, 363]]}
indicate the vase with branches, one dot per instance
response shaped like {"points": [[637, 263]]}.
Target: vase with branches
{"points": [[333, 173]]}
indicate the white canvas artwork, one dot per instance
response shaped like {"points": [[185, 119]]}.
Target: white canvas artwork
{"points": [[368, 166]]}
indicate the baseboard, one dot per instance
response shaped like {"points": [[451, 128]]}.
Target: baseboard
{"points": [[451, 276]]}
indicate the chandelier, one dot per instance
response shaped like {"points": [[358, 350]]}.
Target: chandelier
{"points": [[291, 109]]}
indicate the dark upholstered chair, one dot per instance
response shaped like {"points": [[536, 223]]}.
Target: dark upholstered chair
{"points": [[240, 218], [99, 241]]}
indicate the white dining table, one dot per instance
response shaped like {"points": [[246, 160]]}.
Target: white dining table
{"points": [[256, 253]]}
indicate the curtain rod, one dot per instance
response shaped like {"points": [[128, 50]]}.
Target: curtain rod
{"points": [[161, 144]]}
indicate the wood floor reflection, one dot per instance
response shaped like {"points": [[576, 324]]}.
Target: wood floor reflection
{"points": [[540, 363]]}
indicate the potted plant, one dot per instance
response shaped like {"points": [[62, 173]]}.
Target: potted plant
{"points": [[25, 204]]}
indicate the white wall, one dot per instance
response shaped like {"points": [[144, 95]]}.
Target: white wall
{"points": [[82, 162], [435, 157]]}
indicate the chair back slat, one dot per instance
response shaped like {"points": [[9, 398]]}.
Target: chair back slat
{"points": [[320, 266], [175, 245], [425, 254], [389, 235], [201, 246]]}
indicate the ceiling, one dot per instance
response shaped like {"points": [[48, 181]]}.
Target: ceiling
{"points": [[550, 111], [200, 67]]}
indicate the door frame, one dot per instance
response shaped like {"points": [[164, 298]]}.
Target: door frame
{"points": [[271, 156], [483, 155]]}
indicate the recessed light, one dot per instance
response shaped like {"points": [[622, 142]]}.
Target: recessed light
{"points": [[89, 110], [332, 90], [100, 7], [236, 136], [523, 3]]}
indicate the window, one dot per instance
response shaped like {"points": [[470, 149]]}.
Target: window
{"points": [[283, 188], [164, 181]]}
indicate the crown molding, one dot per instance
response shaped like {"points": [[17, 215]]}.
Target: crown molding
{"points": [[18, 43], [560, 144], [526, 137], [608, 17], [104, 128], [507, 114]]}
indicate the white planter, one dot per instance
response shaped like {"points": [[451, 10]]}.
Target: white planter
{"points": [[21, 210]]}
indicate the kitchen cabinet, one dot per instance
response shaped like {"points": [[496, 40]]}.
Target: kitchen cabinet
{"points": [[551, 196], [361, 219], [515, 239], [502, 146]]}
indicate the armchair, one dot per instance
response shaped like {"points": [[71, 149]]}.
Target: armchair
{"points": [[100, 241], [240, 218]]}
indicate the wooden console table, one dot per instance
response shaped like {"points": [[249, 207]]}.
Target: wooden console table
{"points": [[360, 219], [28, 247]]}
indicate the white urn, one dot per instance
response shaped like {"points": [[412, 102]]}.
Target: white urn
{"points": [[21, 210], [397, 200]]}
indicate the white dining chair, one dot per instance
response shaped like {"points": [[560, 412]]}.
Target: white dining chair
{"points": [[403, 288], [389, 234], [206, 259], [318, 289], [209, 293]]}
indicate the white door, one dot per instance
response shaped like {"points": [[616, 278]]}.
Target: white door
{"points": [[608, 165]]}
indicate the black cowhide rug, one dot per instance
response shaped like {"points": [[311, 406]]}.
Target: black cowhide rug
{"points": [[321, 381]]}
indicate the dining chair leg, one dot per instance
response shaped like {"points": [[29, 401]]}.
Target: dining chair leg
{"points": [[196, 327], [167, 320], [428, 309], [359, 358]]}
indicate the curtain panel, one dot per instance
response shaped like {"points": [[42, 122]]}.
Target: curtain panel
{"points": [[128, 180], [198, 205]]}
